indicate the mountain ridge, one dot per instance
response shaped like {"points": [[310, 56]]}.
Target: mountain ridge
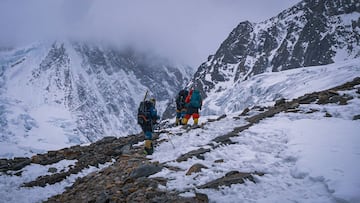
{"points": [[308, 34], [288, 129], [84, 91]]}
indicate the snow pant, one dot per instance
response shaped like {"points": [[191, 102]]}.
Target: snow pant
{"points": [[191, 112], [148, 130]]}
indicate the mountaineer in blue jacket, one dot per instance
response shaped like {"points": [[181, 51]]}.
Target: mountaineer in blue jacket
{"points": [[147, 118]]}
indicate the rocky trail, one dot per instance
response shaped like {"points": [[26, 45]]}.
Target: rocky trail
{"points": [[127, 178]]}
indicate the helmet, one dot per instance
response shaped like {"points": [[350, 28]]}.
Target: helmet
{"points": [[152, 100]]}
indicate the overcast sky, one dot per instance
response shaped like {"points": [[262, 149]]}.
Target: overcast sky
{"points": [[185, 30]]}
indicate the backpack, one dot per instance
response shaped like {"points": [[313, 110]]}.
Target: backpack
{"points": [[195, 100], [180, 100], [144, 114]]}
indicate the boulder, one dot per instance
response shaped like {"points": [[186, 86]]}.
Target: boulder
{"points": [[195, 169]]}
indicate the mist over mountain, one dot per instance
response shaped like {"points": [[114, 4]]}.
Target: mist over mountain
{"points": [[79, 92], [279, 123], [83, 91], [310, 33]]}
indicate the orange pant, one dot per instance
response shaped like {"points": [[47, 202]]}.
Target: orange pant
{"points": [[194, 115]]}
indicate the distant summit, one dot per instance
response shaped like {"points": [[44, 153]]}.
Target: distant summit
{"points": [[311, 33]]}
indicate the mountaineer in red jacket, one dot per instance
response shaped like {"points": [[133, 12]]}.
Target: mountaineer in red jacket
{"points": [[193, 103]]}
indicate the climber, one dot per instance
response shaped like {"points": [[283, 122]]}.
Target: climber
{"points": [[147, 118], [193, 103], [180, 106]]}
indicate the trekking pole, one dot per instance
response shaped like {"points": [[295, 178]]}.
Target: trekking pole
{"points": [[167, 133], [170, 141]]}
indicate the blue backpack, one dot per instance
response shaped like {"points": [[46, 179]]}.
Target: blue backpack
{"points": [[195, 100]]}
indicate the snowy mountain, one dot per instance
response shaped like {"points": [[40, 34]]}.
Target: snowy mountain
{"points": [[271, 86], [302, 149], [67, 93], [280, 121], [310, 33]]}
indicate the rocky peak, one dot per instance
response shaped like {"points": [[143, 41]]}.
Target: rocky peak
{"points": [[308, 34], [331, 8], [237, 44]]}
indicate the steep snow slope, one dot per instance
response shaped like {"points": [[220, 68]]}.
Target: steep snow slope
{"points": [[268, 87], [67, 93]]}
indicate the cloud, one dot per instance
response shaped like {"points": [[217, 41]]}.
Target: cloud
{"points": [[185, 30]]}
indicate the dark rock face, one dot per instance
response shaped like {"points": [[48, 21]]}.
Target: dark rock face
{"points": [[308, 34]]}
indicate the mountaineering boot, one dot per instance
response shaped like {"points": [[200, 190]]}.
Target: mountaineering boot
{"points": [[177, 121], [196, 120], [149, 149], [184, 121]]}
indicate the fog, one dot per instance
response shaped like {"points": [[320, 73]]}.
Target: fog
{"points": [[185, 31]]}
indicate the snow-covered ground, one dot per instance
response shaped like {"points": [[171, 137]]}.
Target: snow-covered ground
{"points": [[305, 157], [11, 190]]}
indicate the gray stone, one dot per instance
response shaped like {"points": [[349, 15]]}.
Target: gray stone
{"points": [[195, 153], [52, 170], [328, 115], [280, 102], [245, 111], [195, 169], [103, 197], [233, 177], [145, 170]]}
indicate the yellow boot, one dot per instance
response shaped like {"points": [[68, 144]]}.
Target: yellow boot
{"points": [[177, 121], [148, 147], [184, 121], [196, 120]]}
